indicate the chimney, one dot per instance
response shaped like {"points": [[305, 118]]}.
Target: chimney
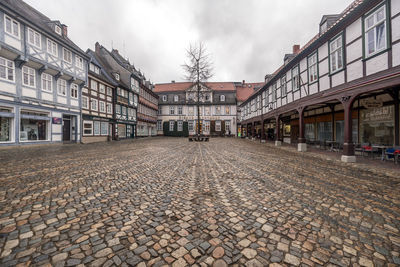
{"points": [[296, 49], [173, 81], [243, 82], [267, 77], [97, 47], [64, 30]]}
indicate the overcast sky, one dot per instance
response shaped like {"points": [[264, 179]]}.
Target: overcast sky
{"points": [[246, 38]]}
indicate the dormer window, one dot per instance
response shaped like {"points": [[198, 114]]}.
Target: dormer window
{"points": [[117, 76], [94, 68], [176, 98], [57, 29], [207, 97], [323, 27], [164, 98], [222, 98]]}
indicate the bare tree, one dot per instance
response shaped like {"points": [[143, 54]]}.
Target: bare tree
{"points": [[198, 69]]}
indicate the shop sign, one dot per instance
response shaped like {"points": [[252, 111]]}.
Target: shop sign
{"points": [[372, 103], [56, 120], [378, 114]]}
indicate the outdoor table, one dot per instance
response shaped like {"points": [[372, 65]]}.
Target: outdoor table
{"points": [[382, 148]]}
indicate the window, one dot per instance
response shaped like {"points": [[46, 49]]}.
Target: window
{"points": [[79, 62], [102, 88], [164, 98], [130, 98], [109, 91], [206, 127], [118, 109], [191, 126], [295, 78], [123, 110], [159, 125], [171, 110], [312, 68], [67, 55], [180, 126], [180, 110], [47, 82], [283, 86], [6, 124], [104, 128], [217, 110], [74, 90], [135, 100], [28, 76], [6, 69], [93, 104], [51, 47], [85, 102], [61, 87], [93, 85], [191, 111], [176, 98], [102, 106], [94, 68], [228, 127], [207, 111], [34, 126], [34, 38], [57, 29], [336, 54], [12, 26], [87, 127], [274, 94], [116, 76], [375, 31], [171, 126], [217, 126], [96, 128], [207, 97], [109, 108], [222, 98], [227, 110]]}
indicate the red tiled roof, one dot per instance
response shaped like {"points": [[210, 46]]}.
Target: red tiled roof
{"points": [[182, 86], [245, 91]]}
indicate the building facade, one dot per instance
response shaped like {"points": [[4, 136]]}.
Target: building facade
{"points": [[342, 87], [126, 93], [98, 103], [147, 110], [177, 106], [41, 75]]}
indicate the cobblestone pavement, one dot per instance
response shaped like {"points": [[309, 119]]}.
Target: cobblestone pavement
{"points": [[167, 201]]}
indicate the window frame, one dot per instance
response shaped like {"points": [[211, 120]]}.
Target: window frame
{"points": [[102, 110], [32, 42], [6, 61], [387, 23], [180, 110], [164, 98], [45, 77], [171, 110], [298, 78], [74, 87], [176, 98], [180, 126], [92, 100], [85, 99], [65, 52], [285, 83], [12, 21], [316, 67], [91, 128], [173, 126], [53, 45], [222, 98], [59, 81], [29, 75], [77, 60], [332, 40]]}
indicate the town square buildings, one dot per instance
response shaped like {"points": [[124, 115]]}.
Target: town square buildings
{"points": [[340, 89]]}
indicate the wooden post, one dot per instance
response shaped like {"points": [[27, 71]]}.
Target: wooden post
{"points": [[262, 129], [278, 141], [301, 146], [348, 145]]}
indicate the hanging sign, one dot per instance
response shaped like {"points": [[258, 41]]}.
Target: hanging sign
{"points": [[372, 103], [56, 120]]}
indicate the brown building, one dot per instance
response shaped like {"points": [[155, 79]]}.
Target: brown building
{"points": [[147, 110]]}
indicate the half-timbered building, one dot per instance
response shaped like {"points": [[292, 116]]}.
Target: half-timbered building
{"points": [[98, 103], [41, 75], [127, 90], [341, 88], [147, 110]]}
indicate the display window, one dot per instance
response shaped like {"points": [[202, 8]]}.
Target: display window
{"points": [[377, 125], [34, 126], [6, 124]]}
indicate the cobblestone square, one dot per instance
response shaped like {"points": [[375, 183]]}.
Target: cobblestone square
{"points": [[167, 201]]}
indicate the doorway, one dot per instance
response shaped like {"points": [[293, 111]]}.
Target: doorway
{"points": [[66, 128]]}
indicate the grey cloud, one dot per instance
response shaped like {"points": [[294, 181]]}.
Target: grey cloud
{"points": [[246, 38]]}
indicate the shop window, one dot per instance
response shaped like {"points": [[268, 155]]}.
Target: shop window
{"points": [[324, 130], [377, 125], [6, 124], [96, 128], [217, 126], [228, 127], [206, 128], [87, 127], [309, 131], [121, 130], [104, 128], [191, 126], [34, 126], [180, 126]]}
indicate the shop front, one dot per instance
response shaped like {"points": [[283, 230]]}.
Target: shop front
{"points": [[377, 125], [124, 130], [96, 129]]}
